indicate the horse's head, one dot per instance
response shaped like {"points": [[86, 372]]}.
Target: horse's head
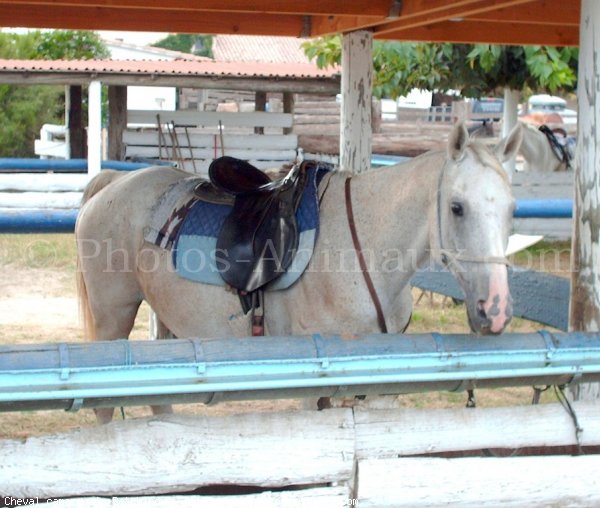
{"points": [[474, 206]]}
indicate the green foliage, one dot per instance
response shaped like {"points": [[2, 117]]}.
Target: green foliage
{"points": [[199, 45], [474, 70], [70, 45], [25, 108], [19, 46], [326, 50]]}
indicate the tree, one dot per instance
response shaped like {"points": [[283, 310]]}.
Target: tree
{"points": [[70, 45], [199, 45], [25, 108], [401, 66]]}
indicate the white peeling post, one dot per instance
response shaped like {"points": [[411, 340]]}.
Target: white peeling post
{"points": [[585, 248], [94, 131], [509, 120], [357, 83]]}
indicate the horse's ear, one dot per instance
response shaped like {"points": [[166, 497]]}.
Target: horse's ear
{"points": [[457, 141], [509, 146]]}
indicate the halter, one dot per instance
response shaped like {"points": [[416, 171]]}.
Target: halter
{"points": [[448, 257]]}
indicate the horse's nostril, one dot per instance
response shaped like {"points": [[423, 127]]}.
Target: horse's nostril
{"points": [[481, 309]]}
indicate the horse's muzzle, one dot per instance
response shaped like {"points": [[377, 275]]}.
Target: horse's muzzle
{"points": [[491, 314]]}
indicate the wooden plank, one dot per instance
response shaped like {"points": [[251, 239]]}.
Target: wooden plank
{"points": [[552, 229], [40, 199], [324, 497], [511, 482], [201, 166], [534, 178], [269, 141], [44, 182], [401, 432], [211, 118], [177, 453], [211, 153]]}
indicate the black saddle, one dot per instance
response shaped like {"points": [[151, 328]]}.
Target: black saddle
{"points": [[260, 236]]}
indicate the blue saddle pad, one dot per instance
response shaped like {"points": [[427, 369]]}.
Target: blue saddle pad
{"points": [[196, 241]]}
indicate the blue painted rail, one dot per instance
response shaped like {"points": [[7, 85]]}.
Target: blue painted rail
{"points": [[69, 376], [65, 166], [544, 209], [17, 220], [61, 221]]}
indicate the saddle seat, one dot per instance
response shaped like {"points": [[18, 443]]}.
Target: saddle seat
{"points": [[260, 236]]}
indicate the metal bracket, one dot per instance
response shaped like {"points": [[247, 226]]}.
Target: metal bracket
{"points": [[550, 345], [63, 359], [395, 9], [75, 406], [320, 348], [306, 27], [199, 356]]}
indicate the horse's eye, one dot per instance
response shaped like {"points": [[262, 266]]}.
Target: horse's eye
{"points": [[457, 209]]}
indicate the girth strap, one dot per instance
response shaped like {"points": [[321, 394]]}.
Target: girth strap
{"points": [[361, 259]]}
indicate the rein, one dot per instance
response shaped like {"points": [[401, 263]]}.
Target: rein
{"points": [[361, 259], [448, 257], [559, 150]]}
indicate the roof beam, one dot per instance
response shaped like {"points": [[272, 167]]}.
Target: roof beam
{"points": [[378, 8], [105, 18], [419, 11], [450, 13], [544, 12], [468, 32], [329, 86]]}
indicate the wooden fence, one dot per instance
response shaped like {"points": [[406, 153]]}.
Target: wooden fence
{"points": [[333, 458]]}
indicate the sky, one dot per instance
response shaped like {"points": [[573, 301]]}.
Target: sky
{"points": [[138, 38]]}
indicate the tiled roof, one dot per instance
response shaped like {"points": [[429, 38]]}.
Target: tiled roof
{"points": [[258, 48], [170, 68]]}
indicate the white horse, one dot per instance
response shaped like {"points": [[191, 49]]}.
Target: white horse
{"points": [[538, 152], [453, 207]]}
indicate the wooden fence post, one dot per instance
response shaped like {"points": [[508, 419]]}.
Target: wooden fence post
{"points": [[585, 251], [357, 83]]}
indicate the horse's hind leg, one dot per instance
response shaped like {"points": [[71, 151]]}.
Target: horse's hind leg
{"points": [[159, 331], [113, 320]]}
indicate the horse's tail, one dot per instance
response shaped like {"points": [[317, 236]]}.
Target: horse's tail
{"points": [[101, 180], [85, 310], [95, 185]]}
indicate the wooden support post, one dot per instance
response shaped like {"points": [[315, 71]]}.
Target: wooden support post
{"points": [[94, 141], [357, 83], [260, 104], [585, 249], [75, 124], [509, 120], [288, 107], [117, 121]]}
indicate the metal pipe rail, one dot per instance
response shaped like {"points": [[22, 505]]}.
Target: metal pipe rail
{"points": [[113, 373]]}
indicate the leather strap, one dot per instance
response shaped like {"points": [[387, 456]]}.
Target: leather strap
{"points": [[361, 259]]}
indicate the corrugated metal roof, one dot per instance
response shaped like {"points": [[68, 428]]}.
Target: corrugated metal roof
{"points": [[171, 68], [258, 48]]}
